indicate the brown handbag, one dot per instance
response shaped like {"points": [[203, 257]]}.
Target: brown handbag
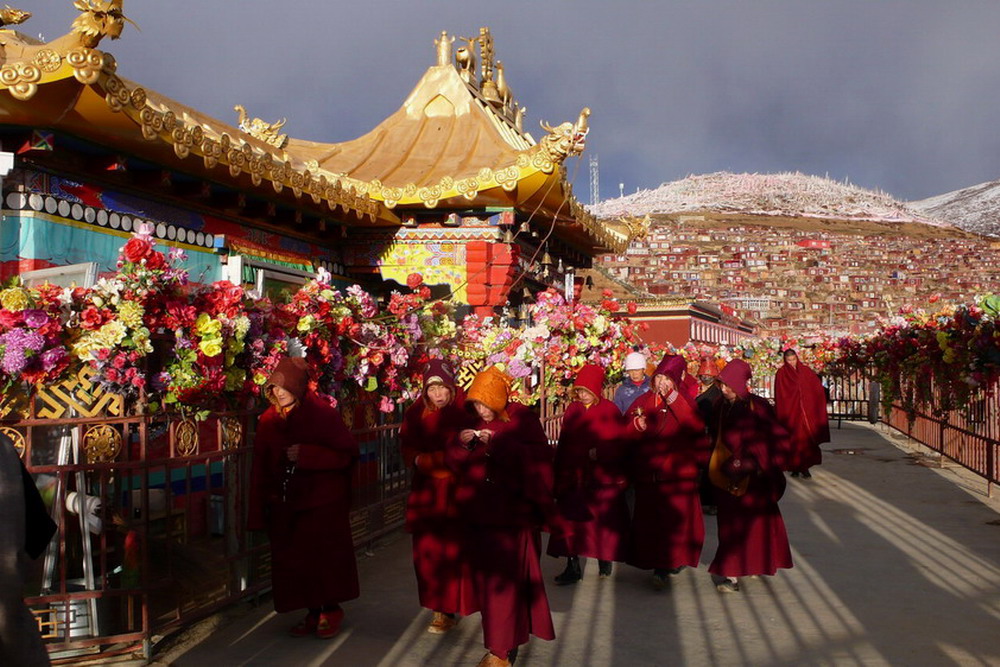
{"points": [[720, 455]]}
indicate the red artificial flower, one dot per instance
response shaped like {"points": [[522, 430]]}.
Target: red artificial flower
{"points": [[633, 307], [414, 280], [10, 319], [156, 261], [92, 318], [137, 250], [424, 292], [606, 293]]}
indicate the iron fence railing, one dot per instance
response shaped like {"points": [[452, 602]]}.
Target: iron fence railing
{"points": [[968, 435], [151, 514]]}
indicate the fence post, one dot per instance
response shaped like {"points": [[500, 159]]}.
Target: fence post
{"points": [[874, 399]]}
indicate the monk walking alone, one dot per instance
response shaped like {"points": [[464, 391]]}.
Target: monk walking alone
{"points": [[800, 401], [300, 492]]}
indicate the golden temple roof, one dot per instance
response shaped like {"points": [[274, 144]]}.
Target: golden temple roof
{"points": [[457, 141], [70, 86]]}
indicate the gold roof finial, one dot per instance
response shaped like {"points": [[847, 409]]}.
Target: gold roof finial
{"points": [[11, 16], [443, 46], [262, 130]]}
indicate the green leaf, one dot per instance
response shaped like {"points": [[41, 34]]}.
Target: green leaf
{"points": [[371, 384], [991, 304]]}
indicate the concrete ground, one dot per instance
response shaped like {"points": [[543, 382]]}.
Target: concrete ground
{"points": [[897, 562]]}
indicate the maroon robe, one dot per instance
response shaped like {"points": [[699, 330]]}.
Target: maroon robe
{"points": [[444, 578], [591, 492], [800, 401], [690, 386], [752, 536], [305, 507], [668, 529], [504, 496]]}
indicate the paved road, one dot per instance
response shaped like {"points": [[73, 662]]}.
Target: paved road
{"points": [[896, 563]]}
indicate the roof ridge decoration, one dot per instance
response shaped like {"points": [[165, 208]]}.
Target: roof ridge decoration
{"points": [[262, 130], [11, 16]]}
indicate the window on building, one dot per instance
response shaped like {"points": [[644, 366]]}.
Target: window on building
{"points": [[71, 275]]}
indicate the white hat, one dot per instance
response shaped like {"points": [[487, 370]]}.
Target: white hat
{"points": [[635, 362]]}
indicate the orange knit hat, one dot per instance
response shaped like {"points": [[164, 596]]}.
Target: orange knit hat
{"points": [[491, 388]]}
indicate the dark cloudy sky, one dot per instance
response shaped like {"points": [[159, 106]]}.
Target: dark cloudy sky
{"points": [[900, 95]]}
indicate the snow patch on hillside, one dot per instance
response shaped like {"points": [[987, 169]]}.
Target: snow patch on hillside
{"points": [[787, 194], [974, 209]]}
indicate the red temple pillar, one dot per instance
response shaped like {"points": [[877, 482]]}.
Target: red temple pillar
{"points": [[491, 268]]}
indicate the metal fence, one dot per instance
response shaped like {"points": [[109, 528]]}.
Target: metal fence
{"points": [[969, 435], [151, 511]]}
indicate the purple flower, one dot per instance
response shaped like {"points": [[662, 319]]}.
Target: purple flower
{"points": [[53, 357], [35, 318], [518, 369], [19, 345]]}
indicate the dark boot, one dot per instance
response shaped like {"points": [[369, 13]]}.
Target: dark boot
{"points": [[572, 573], [604, 568]]}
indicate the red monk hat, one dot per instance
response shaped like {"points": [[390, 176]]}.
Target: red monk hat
{"points": [[491, 388], [292, 375], [672, 366], [736, 375], [591, 378], [708, 367], [438, 372]]}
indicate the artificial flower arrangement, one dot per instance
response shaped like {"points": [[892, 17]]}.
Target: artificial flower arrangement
{"points": [[34, 341], [119, 314]]}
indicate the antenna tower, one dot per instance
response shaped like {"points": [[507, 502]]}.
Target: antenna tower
{"points": [[595, 181]]}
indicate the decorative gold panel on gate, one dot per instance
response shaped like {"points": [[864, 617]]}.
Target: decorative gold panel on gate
{"points": [[48, 622], [186, 438], [102, 443], [14, 404], [468, 372], [16, 437], [232, 433], [82, 394], [371, 415]]}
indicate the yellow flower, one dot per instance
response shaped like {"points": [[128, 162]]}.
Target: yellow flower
{"points": [[111, 334], [206, 326], [130, 313], [15, 298], [306, 323], [210, 347]]}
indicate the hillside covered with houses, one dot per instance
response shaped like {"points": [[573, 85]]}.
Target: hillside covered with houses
{"points": [[793, 269]]}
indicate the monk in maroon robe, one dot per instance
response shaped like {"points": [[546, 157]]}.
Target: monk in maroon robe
{"points": [[444, 580], [800, 401], [746, 467], [668, 529], [300, 492], [590, 480], [504, 495]]}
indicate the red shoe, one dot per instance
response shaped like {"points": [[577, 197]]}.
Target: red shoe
{"points": [[329, 624], [305, 627]]}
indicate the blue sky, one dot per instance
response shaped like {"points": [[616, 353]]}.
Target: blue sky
{"points": [[901, 96]]}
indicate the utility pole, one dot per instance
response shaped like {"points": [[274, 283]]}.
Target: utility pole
{"points": [[595, 181]]}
